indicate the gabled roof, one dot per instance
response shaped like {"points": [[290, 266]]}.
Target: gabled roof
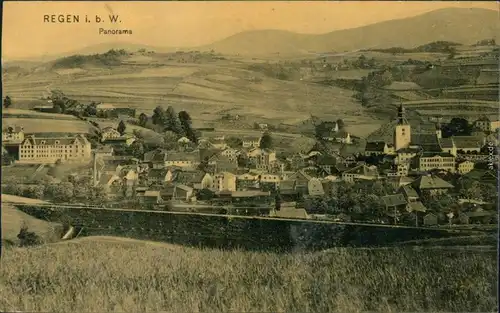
{"points": [[429, 142], [409, 191], [157, 173], [55, 140], [417, 206], [463, 142], [188, 177], [183, 156], [208, 154], [480, 213], [377, 146], [446, 143], [301, 175], [362, 169], [431, 182], [436, 154], [394, 200], [479, 174], [349, 150], [183, 187]]}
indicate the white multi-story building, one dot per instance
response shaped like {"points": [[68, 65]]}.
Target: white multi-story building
{"points": [[487, 124], [49, 150]]}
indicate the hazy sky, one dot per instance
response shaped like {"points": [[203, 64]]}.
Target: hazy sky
{"points": [[187, 24]]}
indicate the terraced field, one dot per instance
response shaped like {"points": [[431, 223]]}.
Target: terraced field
{"points": [[450, 103], [197, 88]]}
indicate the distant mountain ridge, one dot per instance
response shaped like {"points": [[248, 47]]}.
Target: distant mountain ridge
{"points": [[464, 26]]}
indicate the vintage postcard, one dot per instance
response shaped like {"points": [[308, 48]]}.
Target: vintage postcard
{"points": [[249, 156]]}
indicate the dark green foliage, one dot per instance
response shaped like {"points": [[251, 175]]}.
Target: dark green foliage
{"points": [[7, 102], [90, 110], [266, 141], [143, 119], [27, 238], [172, 121], [121, 128], [242, 161], [185, 122], [457, 127], [110, 58], [436, 47], [340, 124], [136, 149], [159, 116], [234, 142]]}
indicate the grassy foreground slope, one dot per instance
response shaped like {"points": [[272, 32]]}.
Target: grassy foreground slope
{"points": [[13, 220], [117, 275]]}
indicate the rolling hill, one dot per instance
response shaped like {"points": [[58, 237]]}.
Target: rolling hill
{"points": [[465, 26]]}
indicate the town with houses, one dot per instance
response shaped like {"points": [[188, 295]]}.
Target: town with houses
{"points": [[419, 178]]}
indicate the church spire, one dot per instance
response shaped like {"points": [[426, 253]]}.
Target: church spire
{"points": [[401, 115]]}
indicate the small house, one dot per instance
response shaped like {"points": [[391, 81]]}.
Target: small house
{"points": [[430, 219], [152, 197], [315, 188], [156, 176], [394, 202], [183, 192], [432, 184], [478, 217]]}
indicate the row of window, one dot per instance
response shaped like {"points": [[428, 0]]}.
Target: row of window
{"points": [[46, 155]]}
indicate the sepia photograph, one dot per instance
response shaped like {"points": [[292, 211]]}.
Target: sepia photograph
{"points": [[260, 156]]}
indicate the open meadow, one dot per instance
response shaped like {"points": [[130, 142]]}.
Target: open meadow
{"points": [[38, 122], [97, 274], [203, 89]]}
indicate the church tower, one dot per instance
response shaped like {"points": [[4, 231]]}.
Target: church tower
{"points": [[438, 128], [402, 134]]}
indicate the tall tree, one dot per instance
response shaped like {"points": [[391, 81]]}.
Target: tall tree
{"points": [[136, 149], [266, 141], [158, 117], [121, 128], [7, 102], [186, 124], [172, 121], [457, 127], [143, 119], [340, 123]]}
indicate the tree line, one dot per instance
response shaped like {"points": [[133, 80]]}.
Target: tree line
{"points": [[167, 120]]}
